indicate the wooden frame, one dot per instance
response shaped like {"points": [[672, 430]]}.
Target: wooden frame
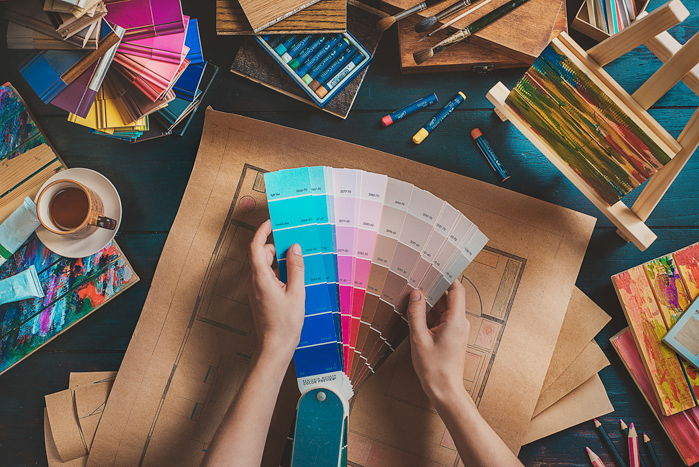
{"points": [[680, 63]]}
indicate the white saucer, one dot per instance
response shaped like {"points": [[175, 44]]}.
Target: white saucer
{"points": [[94, 242]]}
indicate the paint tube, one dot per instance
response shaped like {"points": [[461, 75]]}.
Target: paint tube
{"points": [[21, 286], [17, 228]]}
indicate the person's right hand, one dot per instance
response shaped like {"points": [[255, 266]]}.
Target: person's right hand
{"points": [[278, 308], [438, 352]]}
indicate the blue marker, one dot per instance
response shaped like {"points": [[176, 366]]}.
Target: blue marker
{"points": [[318, 55], [325, 62], [281, 48], [393, 117], [337, 79], [300, 44], [434, 122], [489, 154], [333, 68], [305, 53]]}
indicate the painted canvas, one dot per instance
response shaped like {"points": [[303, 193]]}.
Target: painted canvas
{"points": [[653, 296], [73, 288], [588, 131], [18, 131]]}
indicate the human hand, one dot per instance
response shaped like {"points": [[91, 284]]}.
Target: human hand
{"points": [[278, 308], [438, 352]]}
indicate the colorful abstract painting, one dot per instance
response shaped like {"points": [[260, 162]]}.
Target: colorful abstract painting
{"points": [[73, 289], [654, 295], [18, 131], [587, 130]]}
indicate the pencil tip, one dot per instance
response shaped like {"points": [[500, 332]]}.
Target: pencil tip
{"points": [[597, 423], [646, 438], [623, 424]]}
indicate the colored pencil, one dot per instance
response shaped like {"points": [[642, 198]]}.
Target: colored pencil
{"points": [[608, 442], [633, 447], [594, 458], [651, 451]]}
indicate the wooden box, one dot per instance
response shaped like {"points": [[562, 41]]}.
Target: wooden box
{"points": [[583, 25], [479, 54]]}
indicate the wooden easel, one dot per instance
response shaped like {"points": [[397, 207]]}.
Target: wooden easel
{"points": [[680, 62]]}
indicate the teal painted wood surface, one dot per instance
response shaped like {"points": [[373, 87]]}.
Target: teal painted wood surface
{"points": [[151, 178]]}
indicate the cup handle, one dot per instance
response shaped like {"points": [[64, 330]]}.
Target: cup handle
{"points": [[106, 223]]}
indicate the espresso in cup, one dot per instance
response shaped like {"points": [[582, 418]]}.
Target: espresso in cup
{"points": [[67, 207]]}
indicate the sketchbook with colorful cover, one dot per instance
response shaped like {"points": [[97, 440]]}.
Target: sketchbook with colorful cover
{"points": [[653, 296], [73, 288]]}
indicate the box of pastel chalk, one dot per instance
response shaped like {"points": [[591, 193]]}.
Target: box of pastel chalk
{"points": [[321, 64]]}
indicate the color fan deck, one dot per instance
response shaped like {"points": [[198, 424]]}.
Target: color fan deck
{"points": [[367, 241]]}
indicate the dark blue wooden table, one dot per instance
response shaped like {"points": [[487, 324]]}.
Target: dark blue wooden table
{"points": [[151, 178]]}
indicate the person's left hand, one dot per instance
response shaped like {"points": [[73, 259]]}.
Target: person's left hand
{"points": [[278, 308]]}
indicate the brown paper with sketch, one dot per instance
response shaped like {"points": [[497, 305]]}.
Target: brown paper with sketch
{"points": [[196, 315], [65, 427], [590, 362]]}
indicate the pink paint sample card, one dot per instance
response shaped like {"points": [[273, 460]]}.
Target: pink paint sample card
{"points": [[367, 241]]}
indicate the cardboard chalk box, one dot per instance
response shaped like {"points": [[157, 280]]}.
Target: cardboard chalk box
{"points": [[333, 76]]}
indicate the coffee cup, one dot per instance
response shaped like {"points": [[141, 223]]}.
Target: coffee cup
{"points": [[68, 207]]}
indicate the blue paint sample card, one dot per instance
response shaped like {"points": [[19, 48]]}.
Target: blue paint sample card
{"points": [[299, 211]]}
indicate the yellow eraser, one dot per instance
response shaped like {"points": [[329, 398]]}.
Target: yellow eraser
{"points": [[420, 136]]}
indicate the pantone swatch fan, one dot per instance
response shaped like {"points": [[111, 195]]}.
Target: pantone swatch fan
{"points": [[367, 241]]}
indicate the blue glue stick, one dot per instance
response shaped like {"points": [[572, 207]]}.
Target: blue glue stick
{"points": [[489, 154], [393, 117]]}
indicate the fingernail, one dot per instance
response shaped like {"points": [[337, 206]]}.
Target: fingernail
{"points": [[296, 249], [415, 295]]}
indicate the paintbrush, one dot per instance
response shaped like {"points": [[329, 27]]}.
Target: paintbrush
{"points": [[387, 22], [425, 54], [454, 20], [426, 23]]}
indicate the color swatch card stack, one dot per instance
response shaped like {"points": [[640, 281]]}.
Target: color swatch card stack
{"points": [[367, 241], [143, 78]]}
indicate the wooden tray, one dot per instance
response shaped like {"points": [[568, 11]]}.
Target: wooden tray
{"points": [[466, 56], [522, 34]]}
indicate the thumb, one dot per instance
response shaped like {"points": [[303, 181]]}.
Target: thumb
{"points": [[294, 269], [417, 318]]}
